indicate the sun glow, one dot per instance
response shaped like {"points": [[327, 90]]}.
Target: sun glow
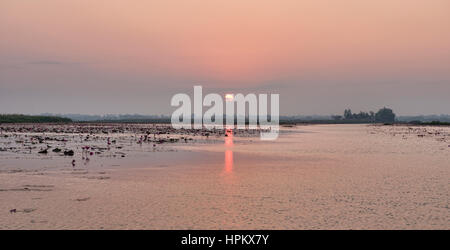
{"points": [[229, 97]]}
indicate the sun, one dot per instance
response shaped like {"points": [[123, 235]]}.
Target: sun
{"points": [[229, 97]]}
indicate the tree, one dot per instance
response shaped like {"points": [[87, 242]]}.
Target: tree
{"points": [[372, 116], [348, 114], [385, 115]]}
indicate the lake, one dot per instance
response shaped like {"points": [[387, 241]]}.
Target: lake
{"points": [[311, 177]]}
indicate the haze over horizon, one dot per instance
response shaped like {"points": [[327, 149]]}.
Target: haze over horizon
{"points": [[117, 57]]}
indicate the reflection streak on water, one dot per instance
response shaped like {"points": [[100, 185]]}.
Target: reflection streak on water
{"points": [[229, 151]]}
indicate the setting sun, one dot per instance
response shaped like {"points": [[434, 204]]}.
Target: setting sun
{"points": [[229, 97]]}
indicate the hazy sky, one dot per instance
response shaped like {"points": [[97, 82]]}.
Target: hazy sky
{"points": [[131, 56]]}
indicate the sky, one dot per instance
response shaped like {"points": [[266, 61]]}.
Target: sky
{"points": [[132, 56]]}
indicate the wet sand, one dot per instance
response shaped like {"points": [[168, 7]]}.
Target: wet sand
{"points": [[312, 177]]}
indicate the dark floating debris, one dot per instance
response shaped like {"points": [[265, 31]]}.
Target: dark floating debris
{"points": [[83, 199], [43, 151], [26, 210], [69, 152], [29, 210]]}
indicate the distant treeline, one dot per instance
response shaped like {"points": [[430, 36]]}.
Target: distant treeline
{"points": [[425, 118], [112, 117], [432, 123], [144, 120], [32, 119], [384, 115]]}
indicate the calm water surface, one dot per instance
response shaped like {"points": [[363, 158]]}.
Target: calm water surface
{"points": [[312, 177]]}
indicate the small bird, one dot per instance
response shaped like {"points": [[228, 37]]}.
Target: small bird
{"points": [[13, 210]]}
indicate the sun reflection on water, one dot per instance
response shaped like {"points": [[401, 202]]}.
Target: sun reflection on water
{"points": [[229, 151]]}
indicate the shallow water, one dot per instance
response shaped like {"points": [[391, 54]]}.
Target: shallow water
{"points": [[312, 177]]}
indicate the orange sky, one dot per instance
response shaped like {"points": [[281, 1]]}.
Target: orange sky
{"points": [[305, 50]]}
